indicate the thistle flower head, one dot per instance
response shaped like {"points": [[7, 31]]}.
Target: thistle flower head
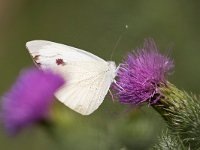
{"points": [[141, 73], [29, 99]]}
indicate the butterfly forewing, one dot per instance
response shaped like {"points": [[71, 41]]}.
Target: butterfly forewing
{"points": [[87, 76]]}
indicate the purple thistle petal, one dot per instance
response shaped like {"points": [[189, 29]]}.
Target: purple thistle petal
{"points": [[141, 74], [29, 99]]}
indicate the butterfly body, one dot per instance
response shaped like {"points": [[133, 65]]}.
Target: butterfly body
{"points": [[88, 77]]}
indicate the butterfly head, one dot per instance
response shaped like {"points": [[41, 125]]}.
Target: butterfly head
{"points": [[112, 68]]}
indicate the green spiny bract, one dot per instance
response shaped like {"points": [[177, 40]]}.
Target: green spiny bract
{"points": [[168, 141], [182, 114]]}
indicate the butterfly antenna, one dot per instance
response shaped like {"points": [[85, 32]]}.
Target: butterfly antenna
{"points": [[118, 40]]}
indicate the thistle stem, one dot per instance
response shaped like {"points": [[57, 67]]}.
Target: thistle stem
{"points": [[49, 127]]}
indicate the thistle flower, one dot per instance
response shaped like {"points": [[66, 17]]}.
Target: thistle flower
{"points": [[29, 99], [142, 78], [141, 74]]}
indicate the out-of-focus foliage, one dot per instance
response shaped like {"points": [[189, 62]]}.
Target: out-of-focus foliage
{"points": [[96, 26]]}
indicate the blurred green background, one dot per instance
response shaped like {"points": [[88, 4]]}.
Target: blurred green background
{"points": [[96, 26]]}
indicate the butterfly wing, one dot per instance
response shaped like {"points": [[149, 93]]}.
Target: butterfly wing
{"points": [[85, 94], [88, 76]]}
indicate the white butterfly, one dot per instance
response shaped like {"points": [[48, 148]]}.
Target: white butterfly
{"points": [[88, 77]]}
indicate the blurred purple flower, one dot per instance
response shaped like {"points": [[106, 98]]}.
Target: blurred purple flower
{"points": [[141, 74], [29, 99]]}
